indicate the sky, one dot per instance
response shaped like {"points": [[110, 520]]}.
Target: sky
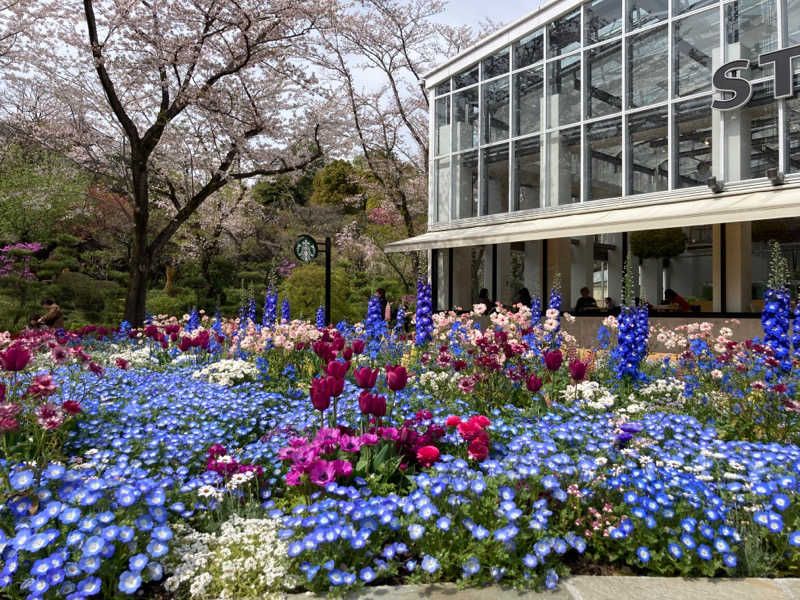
{"points": [[472, 12]]}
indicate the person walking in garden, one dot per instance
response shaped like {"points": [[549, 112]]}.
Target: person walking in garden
{"points": [[52, 318]]}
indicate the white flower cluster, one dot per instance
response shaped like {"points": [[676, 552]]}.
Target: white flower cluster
{"points": [[244, 560], [592, 393], [228, 372], [433, 381]]}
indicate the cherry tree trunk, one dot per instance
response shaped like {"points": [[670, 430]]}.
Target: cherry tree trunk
{"points": [[141, 255]]}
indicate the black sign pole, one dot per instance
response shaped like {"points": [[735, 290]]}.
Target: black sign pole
{"points": [[328, 318]]}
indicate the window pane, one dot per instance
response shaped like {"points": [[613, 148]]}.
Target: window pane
{"points": [[465, 119], [760, 116], [696, 39], [495, 180], [442, 213], [684, 6], [648, 156], [762, 235], [529, 49], [647, 67], [604, 66], [442, 125], [528, 154], [528, 90], [564, 35], [564, 97], [442, 88], [604, 159], [793, 130], [495, 111], [465, 184], [564, 166], [496, 64], [693, 147], [793, 21], [603, 20], [645, 12], [466, 78], [751, 29]]}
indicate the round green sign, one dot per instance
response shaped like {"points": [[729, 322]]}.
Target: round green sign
{"points": [[305, 248]]}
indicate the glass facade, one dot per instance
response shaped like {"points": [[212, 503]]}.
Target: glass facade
{"points": [[610, 100]]}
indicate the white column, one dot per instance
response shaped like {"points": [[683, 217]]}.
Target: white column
{"points": [[739, 267]]}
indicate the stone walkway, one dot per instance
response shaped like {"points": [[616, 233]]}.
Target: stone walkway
{"points": [[598, 588]]}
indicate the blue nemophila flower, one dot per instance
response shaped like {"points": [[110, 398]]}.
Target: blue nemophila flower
{"points": [[550, 579], [93, 546], [721, 545], [155, 571], [675, 550], [729, 559], [22, 480], [415, 531], [530, 561], [688, 541], [336, 577], [443, 523], [794, 538], [367, 575], [643, 554], [429, 564], [704, 552], [470, 567], [129, 582], [295, 549], [137, 562]]}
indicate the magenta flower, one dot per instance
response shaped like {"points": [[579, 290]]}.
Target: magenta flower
{"points": [[15, 358], [320, 394], [533, 383], [396, 377], [577, 370], [365, 377], [337, 369], [553, 360], [322, 472], [49, 416]]}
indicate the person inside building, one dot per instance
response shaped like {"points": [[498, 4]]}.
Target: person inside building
{"points": [[52, 317], [675, 301], [483, 298], [524, 297], [585, 303]]}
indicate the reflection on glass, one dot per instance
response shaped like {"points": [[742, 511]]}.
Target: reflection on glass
{"points": [[603, 20], [564, 34], [496, 64], [495, 111], [604, 162], [442, 141], [647, 67], [442, 88], [696, 39], [528, 159], [761, 114], [645, 12], [466, 78], [442, 213], [528, 90], [648, 155], [529, 49], [693, 148], [494, 195], [564, 166], [465, 184], [465, 119], [564, 87], [604, 65], [792, 114], [684, 6], [751, 29], [793, 22]]}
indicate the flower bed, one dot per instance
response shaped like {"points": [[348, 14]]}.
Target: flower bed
{"points": [[221, 459]]}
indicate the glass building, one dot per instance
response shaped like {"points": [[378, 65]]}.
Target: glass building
{"points": [[586, 129]]}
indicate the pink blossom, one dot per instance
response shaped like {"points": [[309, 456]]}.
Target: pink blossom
{"points": [[49, 416], [322, 472]]}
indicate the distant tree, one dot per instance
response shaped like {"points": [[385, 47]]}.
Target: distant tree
{"points": [[337, 183]]}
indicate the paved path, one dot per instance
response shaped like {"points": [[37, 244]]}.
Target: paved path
{"points": [[598, 588]]}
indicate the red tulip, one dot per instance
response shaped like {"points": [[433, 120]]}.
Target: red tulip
{"points": [[577, 370], [337, 368], [534, 383], [365, 377], [2, 391], [185, 344], [347, 353], [358, 346], [372, 404], [553, 360], [16, 358], [122, 363], [396, 377], [335, 385], [323, 350], [320, 395], [453, 421]]}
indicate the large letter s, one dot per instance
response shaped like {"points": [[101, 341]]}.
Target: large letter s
{"points": [[740, 87]]}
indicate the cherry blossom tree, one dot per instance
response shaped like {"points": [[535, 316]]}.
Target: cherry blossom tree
{"points": [[391, 44], [169, 101]]}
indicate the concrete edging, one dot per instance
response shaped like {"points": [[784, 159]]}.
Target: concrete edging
{"points": [[595, 588]]}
